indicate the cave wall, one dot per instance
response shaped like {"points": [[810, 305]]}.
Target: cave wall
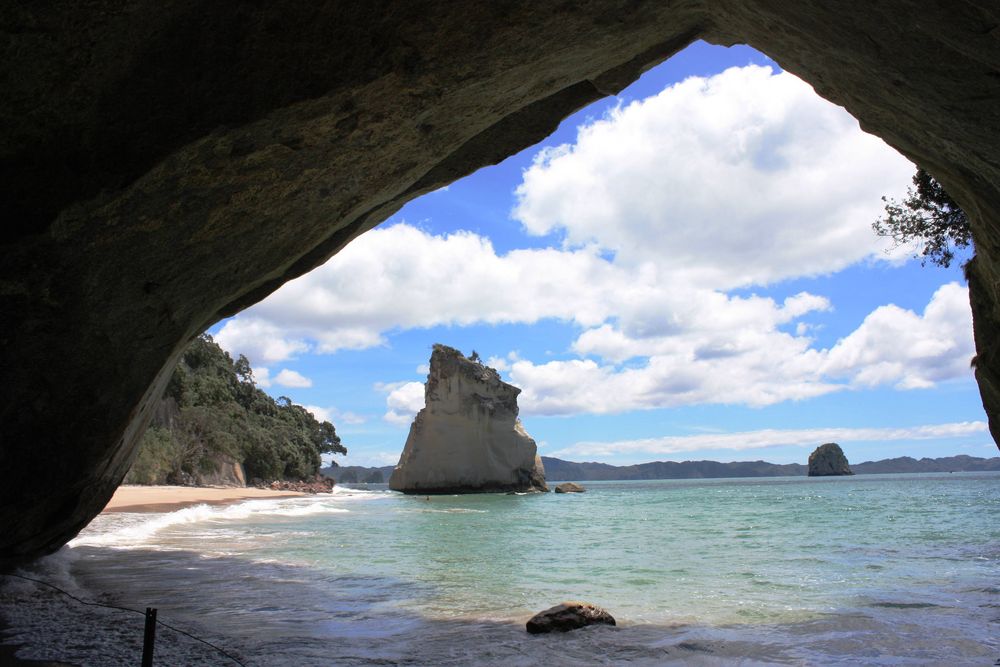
{"points": [[166, 164]]}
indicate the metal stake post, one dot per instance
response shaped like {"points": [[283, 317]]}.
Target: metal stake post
{"points": [[149, 638]]}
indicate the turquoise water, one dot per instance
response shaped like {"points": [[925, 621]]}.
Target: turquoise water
{"points": [[884, 569]]}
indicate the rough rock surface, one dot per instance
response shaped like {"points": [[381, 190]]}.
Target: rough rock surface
{"points": [[568, 616], [165, 164], [319, 484], [467, 438], [569, 487], [827, 461], [228, 472]]}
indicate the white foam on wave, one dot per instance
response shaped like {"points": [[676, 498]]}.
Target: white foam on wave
{"points": [[55, 569], [125, 530], [345, 493]]}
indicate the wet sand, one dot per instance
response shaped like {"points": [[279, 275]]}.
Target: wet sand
{"points": [[9, 659], [170, 498], [147, 499]]}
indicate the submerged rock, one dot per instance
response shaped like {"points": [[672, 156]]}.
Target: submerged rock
{"points": [[569, 487], [568, 616], [467, 438], [828, 460]]}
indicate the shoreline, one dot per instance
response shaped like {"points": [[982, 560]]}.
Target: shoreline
{"points": [[144, 499], [149, 499]]}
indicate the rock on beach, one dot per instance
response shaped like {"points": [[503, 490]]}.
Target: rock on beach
{"points": [[568, 616]]}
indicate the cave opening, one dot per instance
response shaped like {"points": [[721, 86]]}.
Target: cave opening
{"points": [[692, 255]]}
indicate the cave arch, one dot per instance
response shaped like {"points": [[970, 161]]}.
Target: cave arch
{"points": [[167, 164]]}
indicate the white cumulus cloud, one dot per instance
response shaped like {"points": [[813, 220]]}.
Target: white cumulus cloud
{"points": [[759, 377], [744, 359], [911, 351], [746, 177], [262, 377], [401, 277], [260, 339], [754, 364], [403, 400], [289, 378], [335, 416], [741, 178]]}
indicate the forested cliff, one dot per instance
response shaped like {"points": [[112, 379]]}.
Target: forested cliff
{"points": [[213, 424]]}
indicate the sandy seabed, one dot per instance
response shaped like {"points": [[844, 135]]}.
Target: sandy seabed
{"points": [[170, 498]]}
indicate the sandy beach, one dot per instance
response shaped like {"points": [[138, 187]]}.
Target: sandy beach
{"points": [[169, 498]]}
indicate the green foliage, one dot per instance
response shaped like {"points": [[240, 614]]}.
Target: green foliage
{"points": [[928, 215], [155, 459], [212, 410]]}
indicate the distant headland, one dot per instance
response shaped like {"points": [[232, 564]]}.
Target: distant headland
{"points": [[560, 470]]}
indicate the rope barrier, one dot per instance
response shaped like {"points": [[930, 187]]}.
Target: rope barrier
{"points": [[134, 611]]}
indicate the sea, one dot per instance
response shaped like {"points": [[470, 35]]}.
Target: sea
{"points": [[863, 570]]}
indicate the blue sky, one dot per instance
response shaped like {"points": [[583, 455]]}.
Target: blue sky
{"points": [[685, 271]]}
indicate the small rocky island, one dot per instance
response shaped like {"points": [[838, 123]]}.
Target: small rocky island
{"points": [[828, 460], [467, 438]]}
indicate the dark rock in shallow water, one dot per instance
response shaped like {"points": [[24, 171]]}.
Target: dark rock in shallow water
{"points": [[568, 616], [569, 487], [828, 460]]}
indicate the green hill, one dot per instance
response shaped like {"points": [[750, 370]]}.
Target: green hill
{"points": [[213, 423]]}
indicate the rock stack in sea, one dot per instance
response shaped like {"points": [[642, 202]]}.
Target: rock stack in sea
{"points": [[467, 438], [828, 460]]}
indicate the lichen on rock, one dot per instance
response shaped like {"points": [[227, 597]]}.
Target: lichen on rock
{"points": [[828, 460], [467, 438]]}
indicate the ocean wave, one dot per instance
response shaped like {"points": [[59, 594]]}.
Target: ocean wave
{"points": [[125, 530], [345, 493]]}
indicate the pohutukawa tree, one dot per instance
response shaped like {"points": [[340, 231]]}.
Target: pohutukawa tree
{"points": [[928, 216]]}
